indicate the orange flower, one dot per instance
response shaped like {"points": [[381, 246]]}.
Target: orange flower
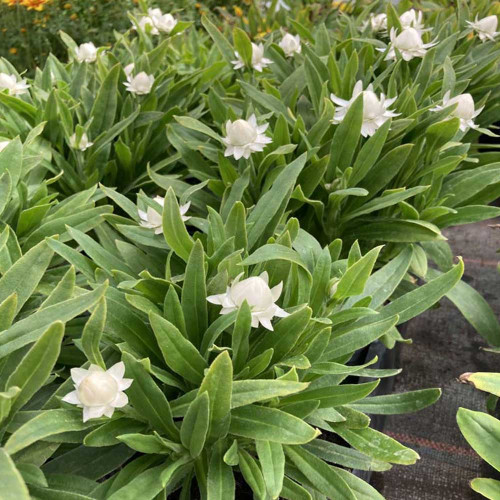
{"points": [[67, 6], [238, 11], [34, 4], [13, 51], [11, 3], [73, 17]]}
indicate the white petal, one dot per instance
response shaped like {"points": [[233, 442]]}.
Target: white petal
{"points": [[338, 100], [280, 313], [117, 371], [264, 276], [120, 401], [71, 397], [276, 291], [217, 299], [78, 374], [93, 412], [266, 323], [125, 383], [108, 411]]}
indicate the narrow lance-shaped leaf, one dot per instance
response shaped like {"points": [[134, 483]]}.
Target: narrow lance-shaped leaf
{"points": [[195, 424], [174, 229], [92, 332], [13, 486]]}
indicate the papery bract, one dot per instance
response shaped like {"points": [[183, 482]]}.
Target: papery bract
{"points": [[245, 137], [12, 85], [375, 109], [259, 62], [140, 84], [99, 391], [256, 292], [153, 219], [409, 43], [82, 144], [290, 44], [86, 52], [465, 109], [486, 28]]}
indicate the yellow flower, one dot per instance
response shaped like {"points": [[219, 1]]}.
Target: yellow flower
{"points": [[23, 30], [12, 50], [73, 17], [67, 6], [11, 3], [37, 5], [238, 11], [245, 20]]}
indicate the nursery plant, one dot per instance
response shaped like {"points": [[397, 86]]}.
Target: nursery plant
{"points": [[482, 430], [200, 228], [220, 371]]}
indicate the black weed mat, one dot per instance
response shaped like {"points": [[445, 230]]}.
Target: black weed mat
{"points": [[444, 346]]}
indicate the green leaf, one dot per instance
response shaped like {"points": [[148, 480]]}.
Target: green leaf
{"points": [[378, 445], [489, 488], [345, 139], [220, 41], [92, 333], [242, 45], [396, 404], [220, 479], [354, 280], [13, 486], [32, 327], [36, 366], [417, 301], [174, 229], [246, 392], [484, 381], [8, 311], [14, 280], [63, 291], [179, 354], [274, 251], [146, 395], [48, 423], [195, 424], [240, 340], [270, 424], [104, 109], [218, 384], [252, 474], [194, 295], [193, 124], [474, 308], [272, 463], [482, 432], [271, 202], [323, 477]]}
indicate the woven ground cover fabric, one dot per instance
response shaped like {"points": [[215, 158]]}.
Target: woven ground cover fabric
{"points": [[444, 346]]}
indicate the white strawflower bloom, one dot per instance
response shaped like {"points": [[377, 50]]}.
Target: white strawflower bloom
{"points": [[86, 52], [83, 144], [413, 19], [14, 87], [99, 391], [280, 4], [465, 109], [163, 22], [245, 137], [377, 22], [259, 62], [146, 21], [486, 28], [3, 145], [291, 45], [375, 109], [129, 69], [140, 84], [259, 296], [153, 219], [409, 43]]}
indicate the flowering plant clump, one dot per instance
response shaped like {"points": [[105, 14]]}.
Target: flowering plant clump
{"points": [[212, 238]]}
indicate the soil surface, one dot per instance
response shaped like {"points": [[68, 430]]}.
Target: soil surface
{"points": [[444, 346]]}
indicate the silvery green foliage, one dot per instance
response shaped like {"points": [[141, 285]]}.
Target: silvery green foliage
{"points": [[100, 274], [212, 395]]}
